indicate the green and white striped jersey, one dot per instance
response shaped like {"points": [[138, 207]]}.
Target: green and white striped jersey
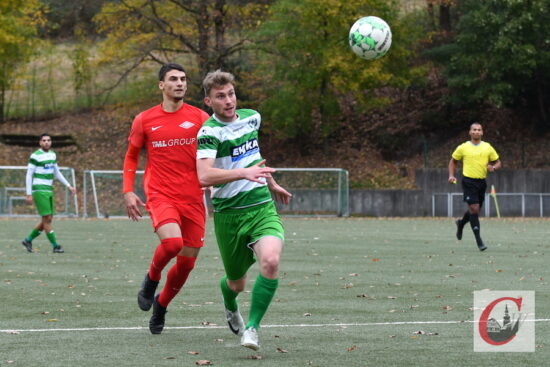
{"points": [[41, 170], [234, 145]]}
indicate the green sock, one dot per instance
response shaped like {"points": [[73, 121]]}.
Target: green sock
{"points": [[51, 237], [229, 297], [34, 233], [262, 294]]}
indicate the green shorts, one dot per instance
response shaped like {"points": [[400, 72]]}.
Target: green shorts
{"points": [[238, 230], [44, 202]]}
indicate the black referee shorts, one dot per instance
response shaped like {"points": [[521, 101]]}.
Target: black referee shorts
{"points": [[474, 190]]}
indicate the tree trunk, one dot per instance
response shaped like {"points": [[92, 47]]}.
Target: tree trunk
{"points": [[431, 13], [543, 113], [219, 27], [203, 19], [445, 17], [3, 88]]}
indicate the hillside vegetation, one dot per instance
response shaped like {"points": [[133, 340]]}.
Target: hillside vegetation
{"points": [[92, 69]]}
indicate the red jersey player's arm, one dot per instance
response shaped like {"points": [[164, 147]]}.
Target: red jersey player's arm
{"points": [[135, 142], [130, 167]]}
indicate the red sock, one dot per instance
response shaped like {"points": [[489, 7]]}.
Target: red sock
{"points": [[166, 251], [176, 278]]}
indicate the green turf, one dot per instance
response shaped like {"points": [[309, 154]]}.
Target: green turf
{"points": [[334, 271]]}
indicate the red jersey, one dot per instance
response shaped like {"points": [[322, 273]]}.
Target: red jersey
{"points": [[171, 142]]}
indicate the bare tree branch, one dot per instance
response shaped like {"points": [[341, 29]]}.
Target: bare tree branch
{"points": [[110, 89], [186, 8]]}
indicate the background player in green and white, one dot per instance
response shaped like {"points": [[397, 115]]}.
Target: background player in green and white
{"points": [[41, 170], [247, 225]]}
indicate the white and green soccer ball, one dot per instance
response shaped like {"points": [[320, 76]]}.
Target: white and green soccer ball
{"points": [[370, 37]]}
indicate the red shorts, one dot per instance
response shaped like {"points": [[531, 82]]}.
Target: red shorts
{"points": [[190, 217]]}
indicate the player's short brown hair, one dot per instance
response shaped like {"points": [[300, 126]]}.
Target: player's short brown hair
{"points": [[216, 78]]}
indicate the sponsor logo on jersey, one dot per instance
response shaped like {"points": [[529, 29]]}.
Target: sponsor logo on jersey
{"points": [[172, 142], [244, 150], [49, 165], [253, 123], [156, 127], [208, 141], [186, 124]]}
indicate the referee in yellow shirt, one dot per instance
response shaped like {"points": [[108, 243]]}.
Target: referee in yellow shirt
{"points": [[477, 158]]}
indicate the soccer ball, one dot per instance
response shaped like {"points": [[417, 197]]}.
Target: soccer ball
{"points": [[370, 37]]}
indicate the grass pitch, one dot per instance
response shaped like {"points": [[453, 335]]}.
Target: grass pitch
{"points": [[353, 292]]}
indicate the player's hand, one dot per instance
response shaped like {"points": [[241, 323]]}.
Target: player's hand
{"points": [[280, 194], [72, 190], [29, 199], [490, 168], [452, 179], [256, 172], [133, 202]]}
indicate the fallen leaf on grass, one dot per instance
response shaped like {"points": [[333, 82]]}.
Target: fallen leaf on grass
{"points": [[307, 314], [422, 332], [169, 358], [347, 285], [375, 259], [52, 320], [203, 362], [219, 340], [280, 350], [192, 352], [353, 275], [45, 312], [254, 356], [499, 270], [448, 308], [392, 297], [352, 348]]}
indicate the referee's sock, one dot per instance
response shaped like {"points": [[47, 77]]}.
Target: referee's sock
{"points": [[474, 223], [465, 219]]}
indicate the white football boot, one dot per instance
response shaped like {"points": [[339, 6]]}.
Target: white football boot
{"points": [[235, 321], [250, 339]]}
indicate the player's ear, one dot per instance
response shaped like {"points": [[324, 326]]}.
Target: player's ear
{"points": [[161, 84], [207, 101]]}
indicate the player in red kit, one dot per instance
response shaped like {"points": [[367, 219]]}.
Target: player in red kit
{"points": [[174, 196]]}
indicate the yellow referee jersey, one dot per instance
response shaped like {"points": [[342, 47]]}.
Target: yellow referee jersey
{"points": [[475, 158]]}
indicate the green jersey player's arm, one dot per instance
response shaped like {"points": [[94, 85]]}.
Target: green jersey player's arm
{"points": [[210, 175], [279, 193]]}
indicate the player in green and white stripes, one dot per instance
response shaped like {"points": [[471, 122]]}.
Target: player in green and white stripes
{"points": [[41, 170], [246, 222]]}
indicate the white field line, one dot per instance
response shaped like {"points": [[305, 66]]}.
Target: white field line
{"points": [[16, 331]]}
